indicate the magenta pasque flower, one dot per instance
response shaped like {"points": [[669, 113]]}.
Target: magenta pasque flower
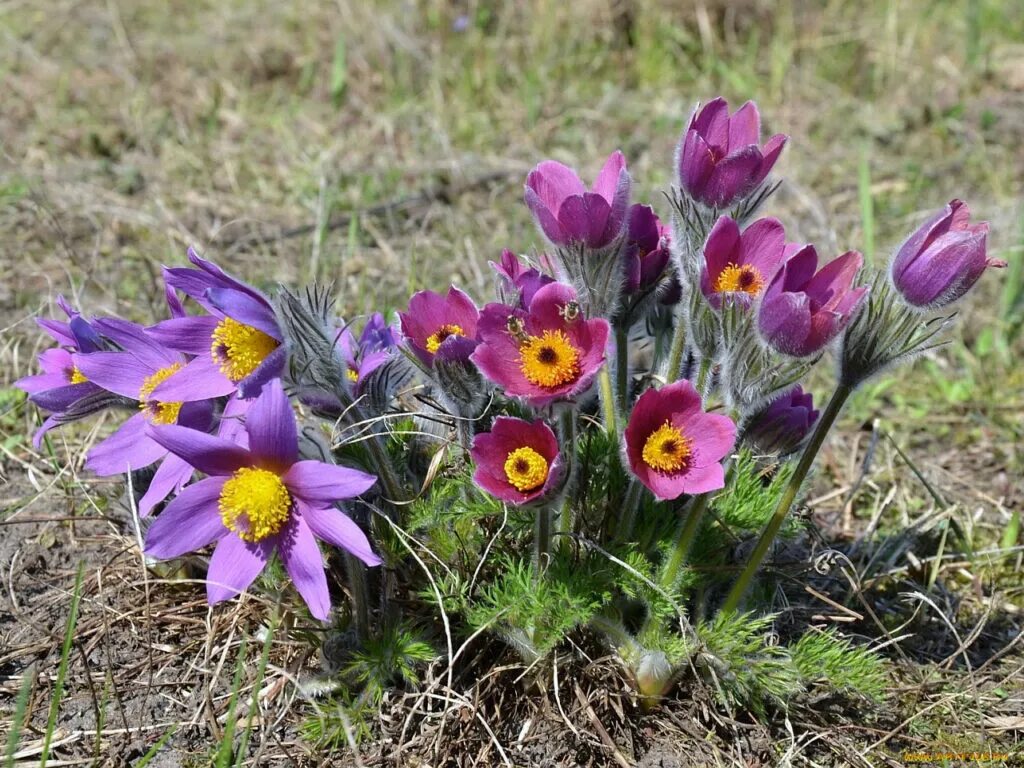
{"points": [[548, 353], [517, 461], [720, 159], [803, 310], [673, 446], [568, 213], [436, 324], [784, 424], [237, 347], [517, 282], [942, 260], [646, 250], [741, 264], [365, 355], [257, 500]]}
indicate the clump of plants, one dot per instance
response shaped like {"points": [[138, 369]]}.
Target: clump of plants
{"points": [[610, 447]]}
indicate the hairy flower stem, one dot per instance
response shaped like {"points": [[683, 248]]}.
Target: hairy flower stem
{"points": [[687, 532], [569, 453], [607, 395], [542, 540], [630, 508], [675, 354], [702, 376], [622, 366], [356, 571], [771, 530]]}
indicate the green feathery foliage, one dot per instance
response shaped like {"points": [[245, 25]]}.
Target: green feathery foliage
{"points": [[387, 659], [748, 501], [825, 657], [746, 669]]}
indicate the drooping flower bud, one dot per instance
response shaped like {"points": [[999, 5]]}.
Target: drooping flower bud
{"points": [[784, 424], [940, 262], [646, 250], [720, 160]]}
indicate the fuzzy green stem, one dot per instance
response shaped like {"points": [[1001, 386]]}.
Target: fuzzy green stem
{"points": [[675, 355], [604, 382], [569, 457], [630, 508], [771, 530], [687, 533], [702, 374], [356, 570], [542, 540], [622, 366], [464, 429]]}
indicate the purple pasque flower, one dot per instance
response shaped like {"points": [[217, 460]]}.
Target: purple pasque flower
{"points": [[720, 159], [61, 385], [373, 348], [518, 283], [238, 346], [436, 324], [517, 461], [741, 264], [942, 260], [134, 372], [548, 353], [803, 310], [782, 426], [673, 446], [646, 250], [567, 212], [257, 500]]}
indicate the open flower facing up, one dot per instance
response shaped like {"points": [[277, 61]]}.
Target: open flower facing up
{"points": [[258, 500], [134, 373], [673, 446], [61, 385], [374, 347], [440, 324], [549, 353], [646, 251], [802, 311], [517, 283], [784, 424], [942, 260], [567, 212], [720, 160], [741, 263], [517, 461], [238, 346]]}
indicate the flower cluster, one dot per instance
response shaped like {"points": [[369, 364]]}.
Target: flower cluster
{"points": [[678, 341]]}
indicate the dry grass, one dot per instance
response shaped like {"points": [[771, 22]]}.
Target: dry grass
{"points": [[373, 145]]}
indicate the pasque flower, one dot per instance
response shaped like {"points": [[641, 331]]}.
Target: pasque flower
{"points": [[257, 500], [518, 283], [61, 385], [567, 212], [437, 324], [942, 260], [673, 446], [238, 346], [784, 424], [373, 348], [517, 461], [803, 310], [741, 264], [720, 160], [546, 354], [134, 372], [646, 250]]}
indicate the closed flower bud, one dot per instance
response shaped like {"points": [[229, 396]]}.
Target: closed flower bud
{"points": [[784, 424], [942, 260]]}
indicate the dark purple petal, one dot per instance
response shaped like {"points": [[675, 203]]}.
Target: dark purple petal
{"points": [[770, 152], [696, 163], [712, 122], [270, 369], [733, 177], [270, 423], [61, 398], [196, 415], [235, 564], [190, 522], [246, 309], [317, 482], [209, 454], [304, 563], [553, 183], [785, 321], [338, 529], [745, 126], [545, 218]]}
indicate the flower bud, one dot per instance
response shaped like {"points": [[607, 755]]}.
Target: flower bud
{"points": [[784, 424]]}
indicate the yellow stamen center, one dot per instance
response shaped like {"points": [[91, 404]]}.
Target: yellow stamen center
{"points": [[156, 411], [435, 339], [77, 377], [239, 349], [667, 449], [549, 360], [526, 469], [352, 374], [740, 279], [254, 503]]}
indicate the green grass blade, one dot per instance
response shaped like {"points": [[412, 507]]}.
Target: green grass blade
{"points": [[224, 752], [144, 761], [339, 71], [255, 706], [1012, 531], [62, 670], [18, 719]]}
